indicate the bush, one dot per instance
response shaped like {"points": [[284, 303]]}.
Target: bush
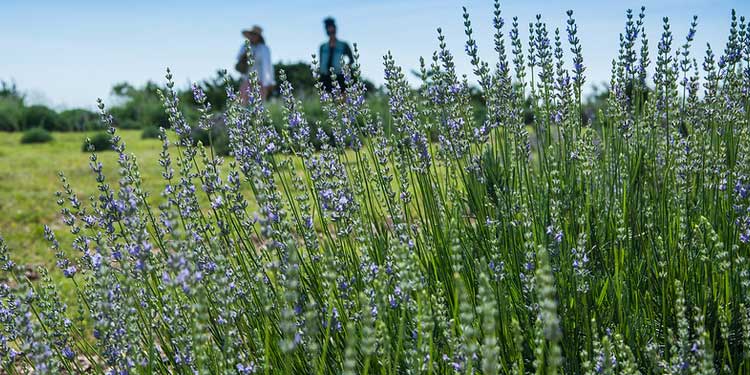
{"points": [[8, 122], [41, 116], [219, 139], [100, 142], [11, 114], [140, 107], [129, 124], [79, 120], [36, 135], [124, 114], [153, 115], [150, 132]]}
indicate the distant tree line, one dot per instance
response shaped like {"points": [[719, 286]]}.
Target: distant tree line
{"points": [[15, 115], [140, 107], [135, 107]]}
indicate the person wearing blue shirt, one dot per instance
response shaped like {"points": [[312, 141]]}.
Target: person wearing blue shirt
{"points": [[331, 53]]}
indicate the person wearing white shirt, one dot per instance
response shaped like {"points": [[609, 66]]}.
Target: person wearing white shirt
{"points": [[261, 63]]}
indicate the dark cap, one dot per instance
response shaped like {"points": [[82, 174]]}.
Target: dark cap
{"points": [[329, 21]]}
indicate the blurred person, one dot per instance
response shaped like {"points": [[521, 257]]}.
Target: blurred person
{"points": [[261, 63], [330, 54]]}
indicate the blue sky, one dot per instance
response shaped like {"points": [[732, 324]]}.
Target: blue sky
{"points": [[68, 53]]}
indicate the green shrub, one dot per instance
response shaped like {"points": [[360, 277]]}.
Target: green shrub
{"points": [[150, 132], [11, 114], [153, 115], [123, 114], [41, 116], [130, 125], [219, 139], [140, 107], [36, 135], [7, 122], [79, 120], [99, 142]]}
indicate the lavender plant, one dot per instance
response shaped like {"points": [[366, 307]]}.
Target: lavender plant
{"points": [[445, 245]]}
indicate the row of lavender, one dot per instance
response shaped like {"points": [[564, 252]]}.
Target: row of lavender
{"points": [[491, 248]]}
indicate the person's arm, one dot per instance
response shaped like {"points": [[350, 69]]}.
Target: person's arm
{"points": [[348, 53], [321, 67]]}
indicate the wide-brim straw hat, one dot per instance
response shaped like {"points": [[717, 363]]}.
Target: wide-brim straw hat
{"points": [[257, 30]]}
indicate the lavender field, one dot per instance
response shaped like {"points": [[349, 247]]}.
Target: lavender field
{"points": [[428, 241]]}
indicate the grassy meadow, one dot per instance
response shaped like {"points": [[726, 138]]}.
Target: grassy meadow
{"points": [[29, 179]]}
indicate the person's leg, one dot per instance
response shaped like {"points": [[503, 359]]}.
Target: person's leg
{"points": [[327, 83], [342, 82]]}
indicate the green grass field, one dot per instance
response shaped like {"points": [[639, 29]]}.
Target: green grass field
{"points": [[29, 179]]}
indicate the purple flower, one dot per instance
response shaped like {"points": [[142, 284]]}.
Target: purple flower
{"points": [[456, 366], [246, 369], [392, 301], [96, 261], [68, 353], [295, 119], [70, 271], [217, 202]]}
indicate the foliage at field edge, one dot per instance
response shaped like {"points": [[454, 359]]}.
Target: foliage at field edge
{"points": [[570, 249], [137, 107]]}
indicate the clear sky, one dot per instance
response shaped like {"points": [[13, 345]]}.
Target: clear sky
{"points": [[68, 53]]}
